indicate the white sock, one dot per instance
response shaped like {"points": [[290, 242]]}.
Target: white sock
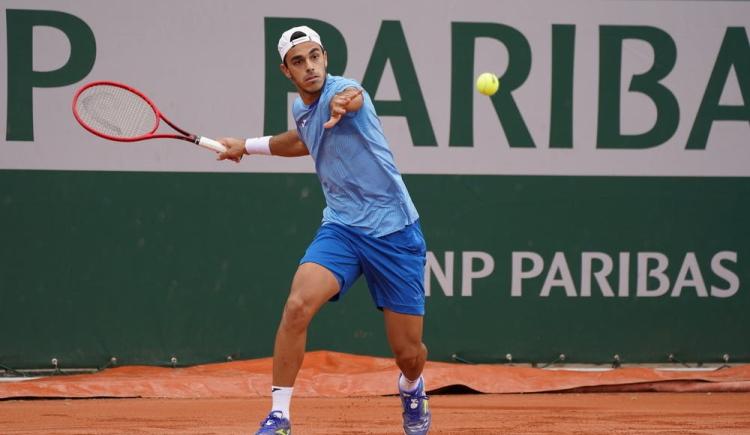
{"points": [[406, 385], [281, 397]]}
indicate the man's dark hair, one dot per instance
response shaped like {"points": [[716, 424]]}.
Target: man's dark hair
{"points": [[296, 35]]}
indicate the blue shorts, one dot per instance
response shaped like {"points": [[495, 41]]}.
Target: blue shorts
{"points": [[393, 265]]}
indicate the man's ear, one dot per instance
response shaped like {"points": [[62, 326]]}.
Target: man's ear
{"points": [[285, 71]]}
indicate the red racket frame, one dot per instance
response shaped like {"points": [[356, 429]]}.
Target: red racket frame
{"points": [[150, 135]]}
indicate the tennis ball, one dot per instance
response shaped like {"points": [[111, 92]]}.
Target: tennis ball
{"points": [[487, 84]]}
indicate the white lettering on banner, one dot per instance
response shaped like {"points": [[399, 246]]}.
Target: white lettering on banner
{"points": [[587, 259], [654, 278], [690, 266], [623, 283], [651, 267], [468, 274], [559, 267], [444, 275], [725, 274], [644, 273], [517, 272]]}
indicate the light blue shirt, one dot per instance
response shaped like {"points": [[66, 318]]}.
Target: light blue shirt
{"points": [[362, 187]]}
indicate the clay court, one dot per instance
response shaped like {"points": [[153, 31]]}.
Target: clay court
{"points": [[570, 413], [350, 394], [575, 413]]}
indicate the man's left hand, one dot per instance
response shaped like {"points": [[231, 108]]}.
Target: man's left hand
{"points": [[349, 100]]}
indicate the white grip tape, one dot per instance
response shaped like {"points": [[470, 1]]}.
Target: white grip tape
{"points": [[211, 144]]}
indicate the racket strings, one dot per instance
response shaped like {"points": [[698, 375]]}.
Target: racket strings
{"points": [[116, 112]]}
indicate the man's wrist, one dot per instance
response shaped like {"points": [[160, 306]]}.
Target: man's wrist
{"points": [[258, 145]]}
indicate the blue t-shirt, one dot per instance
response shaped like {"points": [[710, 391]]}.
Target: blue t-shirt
{"points": [[362, 187]]}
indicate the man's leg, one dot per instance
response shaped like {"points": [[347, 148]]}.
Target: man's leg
{"points": [[313, 285], [404, 333]]}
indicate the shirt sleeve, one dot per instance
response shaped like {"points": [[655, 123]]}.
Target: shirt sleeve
{"points": [[340, 84]]}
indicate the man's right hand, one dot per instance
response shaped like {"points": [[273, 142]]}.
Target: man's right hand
{"points": [[235, 149]]}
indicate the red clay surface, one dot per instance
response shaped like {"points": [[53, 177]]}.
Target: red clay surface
{"points": [[572, 413], [331, 374]]}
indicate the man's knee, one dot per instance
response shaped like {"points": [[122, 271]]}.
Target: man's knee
{"points": [[410, 353], [297, 314], [312, 286]]}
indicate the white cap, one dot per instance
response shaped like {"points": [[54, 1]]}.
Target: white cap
{"points": [[301, 34]]}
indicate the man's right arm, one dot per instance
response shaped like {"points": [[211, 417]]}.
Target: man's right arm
{"points": [[287, 144]]}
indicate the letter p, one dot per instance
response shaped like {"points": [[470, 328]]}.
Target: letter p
{"points": [[518, 274], [22, 79]]}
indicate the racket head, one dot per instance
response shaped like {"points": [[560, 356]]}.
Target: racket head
{"points": [[116, 111]]}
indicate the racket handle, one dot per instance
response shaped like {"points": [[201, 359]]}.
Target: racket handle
{"points": [[210, 144]]}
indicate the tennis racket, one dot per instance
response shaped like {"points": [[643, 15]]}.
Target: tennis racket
{"points": [[121, 113]]}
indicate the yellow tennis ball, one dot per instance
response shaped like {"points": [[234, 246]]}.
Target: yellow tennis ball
{"points": [[487, 84]]}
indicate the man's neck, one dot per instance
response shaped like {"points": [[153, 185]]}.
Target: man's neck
{"points": [[308, 98]]}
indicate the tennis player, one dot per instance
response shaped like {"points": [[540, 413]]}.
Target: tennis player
{"points": [[370, 226]]}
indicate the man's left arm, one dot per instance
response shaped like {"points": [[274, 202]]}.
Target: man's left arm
{"points": [[348, 100]]}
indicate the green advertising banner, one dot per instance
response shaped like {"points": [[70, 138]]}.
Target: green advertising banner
{"points": [[595, 206], [146, 266]]}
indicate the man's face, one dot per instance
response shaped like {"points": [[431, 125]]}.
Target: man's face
{"points": [[306, 65]]}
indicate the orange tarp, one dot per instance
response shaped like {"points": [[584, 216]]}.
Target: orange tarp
{"points": [[331, 374]]}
